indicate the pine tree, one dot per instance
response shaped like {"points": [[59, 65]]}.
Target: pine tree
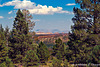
{"points": [[92, 8], [31, 59], [7, 34], [28, 18], [5, 61], [95, 55], [77, 45], [1, 28], [59, 49], [20, 40], [42, 52], [85, 31], [56, 63]]}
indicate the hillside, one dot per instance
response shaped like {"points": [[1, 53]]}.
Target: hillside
{"points": [[49, 38]]}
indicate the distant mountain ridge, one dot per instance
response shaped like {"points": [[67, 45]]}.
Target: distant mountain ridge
{"points": [[43, 33], [51, 31]]}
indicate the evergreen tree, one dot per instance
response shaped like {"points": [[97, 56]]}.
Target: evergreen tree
{"points": [[7, 34], [20, 40], [42, 52], [85, 31], [92, 8], [95, 55], [1, 28], [56, 63], [31, 24], [59, 49], [31, 59], [5, 61], [77, 45], [28, 18]]}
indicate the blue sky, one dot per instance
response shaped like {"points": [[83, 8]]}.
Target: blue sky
{"points": [[49, 15]]}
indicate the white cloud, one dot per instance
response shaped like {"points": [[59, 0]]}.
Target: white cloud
{"points": [[1, 17], [39, 9], [10, 12], [70, 4], [19, 4], [33, 8], [68, 12], [10, 17]]}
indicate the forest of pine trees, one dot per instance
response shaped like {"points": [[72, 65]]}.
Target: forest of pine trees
{"points": [[18, 49]]}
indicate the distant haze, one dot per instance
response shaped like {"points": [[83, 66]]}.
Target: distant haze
{"points": [[50, 31]]}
